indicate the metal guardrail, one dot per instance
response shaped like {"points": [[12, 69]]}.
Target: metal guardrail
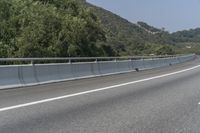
{"points": [[81, 59]]}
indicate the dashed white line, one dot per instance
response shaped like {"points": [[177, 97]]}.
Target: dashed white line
{"points": [[95, 90]]}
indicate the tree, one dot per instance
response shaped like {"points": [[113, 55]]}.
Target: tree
{"points": [[165, 50], [40, 28]]}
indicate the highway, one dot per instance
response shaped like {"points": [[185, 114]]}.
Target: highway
{"points": [[163, 100]]}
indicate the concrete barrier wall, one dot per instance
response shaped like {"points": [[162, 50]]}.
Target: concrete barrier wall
{"points": [[26, 75], [65, 71], [9, 77]]}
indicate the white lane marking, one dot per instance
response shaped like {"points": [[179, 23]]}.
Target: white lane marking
{"points": [[96, 90]]}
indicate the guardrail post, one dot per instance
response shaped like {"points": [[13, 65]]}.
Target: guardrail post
{"points": [[32, 62], [70, 62]]}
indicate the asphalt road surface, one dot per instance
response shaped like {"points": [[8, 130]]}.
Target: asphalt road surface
{"points": [[164, 100]]}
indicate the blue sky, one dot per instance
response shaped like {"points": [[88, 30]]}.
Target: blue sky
{"points": [[174, 15]]}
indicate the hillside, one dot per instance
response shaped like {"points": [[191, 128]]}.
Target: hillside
{"points": [[127, 38], [148, 28], [68, 28], [192, 35], [49, 28]]}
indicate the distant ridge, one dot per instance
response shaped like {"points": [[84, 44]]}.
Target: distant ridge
{"points": [[148, 28], [128, 38], [124, 37]]}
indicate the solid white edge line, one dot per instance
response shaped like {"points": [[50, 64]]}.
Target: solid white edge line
{"points": [[95, 90]]}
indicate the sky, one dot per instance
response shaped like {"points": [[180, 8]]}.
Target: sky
{"points": [[173, 15]]}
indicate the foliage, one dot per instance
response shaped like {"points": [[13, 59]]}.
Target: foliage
{"points": [[66, 28], [192, 35], [127, 38], [39, 28], [148, 27]]}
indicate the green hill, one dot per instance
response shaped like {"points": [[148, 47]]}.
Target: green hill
{"points": [[127, 38], [66, 28], [192, 35], [149, 28], [187, 41]]}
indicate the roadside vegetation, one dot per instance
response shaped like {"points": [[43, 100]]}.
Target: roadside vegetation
{"points": [[68, 28], [48, 28]]}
